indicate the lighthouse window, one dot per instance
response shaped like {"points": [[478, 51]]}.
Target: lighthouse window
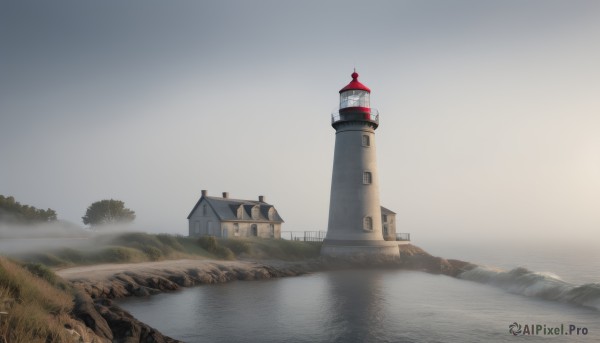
{"points": [[368, 223], [354, 98], [366, 140], [367, 179]]}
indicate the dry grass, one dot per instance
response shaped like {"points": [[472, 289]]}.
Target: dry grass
{"points": [[143, 247], [37, 310]]}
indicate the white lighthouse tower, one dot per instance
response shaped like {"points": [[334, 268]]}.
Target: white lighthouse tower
{"points": [[354, 211]]}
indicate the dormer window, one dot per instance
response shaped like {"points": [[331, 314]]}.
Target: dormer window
{"points": [[255, 212], [240, 212], [272, 213]]}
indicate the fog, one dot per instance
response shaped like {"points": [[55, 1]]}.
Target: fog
{"points": [[24, 239], [56, 229], [489, 111]]}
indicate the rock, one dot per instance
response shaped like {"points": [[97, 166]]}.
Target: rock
{"points": [[85, 311], [111, 323], [127, 329]]}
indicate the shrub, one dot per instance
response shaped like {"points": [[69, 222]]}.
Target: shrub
{"points": [[170, 241], [153, 253], [224, 253], [70, 255], [208, 243], [238, 246], [137, 239], [47, 259], [117, 254]]}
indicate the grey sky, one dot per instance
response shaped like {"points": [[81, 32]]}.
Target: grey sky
{"points": [[490, 110]]}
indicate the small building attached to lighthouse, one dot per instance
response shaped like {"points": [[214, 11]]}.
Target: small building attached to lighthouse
{"points": [[355, 218]]}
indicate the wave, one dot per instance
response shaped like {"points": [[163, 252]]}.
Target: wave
{"points": [[543, 285]]}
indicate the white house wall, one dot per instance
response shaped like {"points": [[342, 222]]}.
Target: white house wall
{"points": [[245, 230], [199, 223]]}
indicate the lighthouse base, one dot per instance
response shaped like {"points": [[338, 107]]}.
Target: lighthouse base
{"points": [[355, 249]]}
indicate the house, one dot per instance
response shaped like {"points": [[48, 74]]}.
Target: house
{"points": [[226, 217], [388, 220]]}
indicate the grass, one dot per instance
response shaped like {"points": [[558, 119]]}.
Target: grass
{"points": [[142, 247], [37, 309], [256, 248]]}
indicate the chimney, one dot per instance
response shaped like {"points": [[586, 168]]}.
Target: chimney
{"points": [[261, 198], [225, 195], [204, 192]]}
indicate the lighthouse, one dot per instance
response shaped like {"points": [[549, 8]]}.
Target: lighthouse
{"points": [[355, 228]]}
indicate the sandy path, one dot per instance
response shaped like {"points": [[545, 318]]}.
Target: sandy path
{"points": [[105, 271]]}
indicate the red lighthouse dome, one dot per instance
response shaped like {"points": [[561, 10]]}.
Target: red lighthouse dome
{"points": [[355, 85]]}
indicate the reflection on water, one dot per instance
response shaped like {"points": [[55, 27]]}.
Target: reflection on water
{"points": [[355, 310]]}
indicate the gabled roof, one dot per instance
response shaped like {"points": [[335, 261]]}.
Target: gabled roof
{"points": [[226, 209], [386, 211]]}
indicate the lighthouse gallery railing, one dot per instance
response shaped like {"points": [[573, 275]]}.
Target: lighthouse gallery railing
{"points": [[373, 116]]}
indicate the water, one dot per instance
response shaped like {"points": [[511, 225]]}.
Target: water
{"points": [[385, 305]]}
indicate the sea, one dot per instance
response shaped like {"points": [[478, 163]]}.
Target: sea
{"points": [[520, 293]]}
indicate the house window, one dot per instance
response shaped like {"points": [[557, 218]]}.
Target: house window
{"points": [[240, 212], [254, 230], [255, 210], [366, 140], [368, 224], [198, 227], [236, 229], [385, 218], [204, 210], [272, 230], [367, 179]]}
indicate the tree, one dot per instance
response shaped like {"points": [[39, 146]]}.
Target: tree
{"points": [[108, 212], [13, 211]]}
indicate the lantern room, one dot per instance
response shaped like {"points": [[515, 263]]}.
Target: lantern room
{"points": [[355, 105], [355, 94]]}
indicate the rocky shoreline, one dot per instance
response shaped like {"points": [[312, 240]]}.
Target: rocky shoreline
{"points": [[97, 285]]}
